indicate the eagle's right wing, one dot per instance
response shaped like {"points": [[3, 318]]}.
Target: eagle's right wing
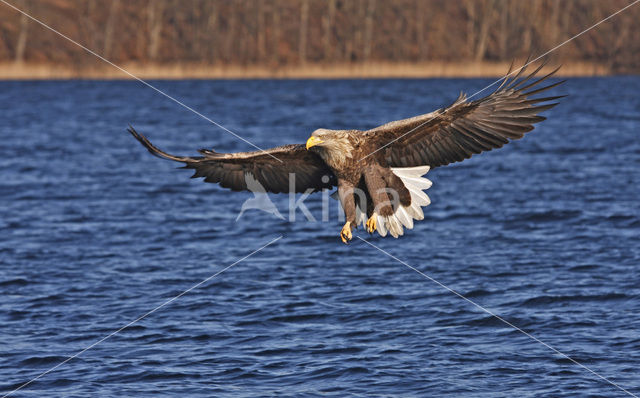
{"points": [[272, 168], [466, 127]]}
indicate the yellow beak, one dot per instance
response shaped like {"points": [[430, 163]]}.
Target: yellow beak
{"points": [[313, 141]]}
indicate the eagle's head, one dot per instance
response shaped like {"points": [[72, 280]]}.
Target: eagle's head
{"points": [[333, 146]]}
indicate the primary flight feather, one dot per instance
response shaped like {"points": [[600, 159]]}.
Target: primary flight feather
{"points": [[379, 172]]}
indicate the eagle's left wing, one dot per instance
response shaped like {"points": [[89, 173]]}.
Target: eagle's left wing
{"points": [[466, 127], [287, 168]]}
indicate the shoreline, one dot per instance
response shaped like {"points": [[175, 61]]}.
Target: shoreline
{"points": [[34, 71]]}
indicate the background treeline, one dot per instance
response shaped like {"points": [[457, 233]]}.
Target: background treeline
{"points": [[274, 33]]}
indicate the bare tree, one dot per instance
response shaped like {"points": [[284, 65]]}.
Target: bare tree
{"points": [[230, 35], [108, 32], [21, 45], [261, 39], [276, 34], [483, 31], [155, 10], [420, 30], [470, 8], [328, 29], [281, 32], [368, 26], [555, 19], [304, 22], [211, 38], [503, 35]]}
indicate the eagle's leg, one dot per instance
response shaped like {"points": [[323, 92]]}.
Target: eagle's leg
{"points": [[345, 233], [346, 193], [372, 223], [380, 194]]}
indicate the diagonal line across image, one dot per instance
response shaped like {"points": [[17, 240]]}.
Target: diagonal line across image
{"points": [[273, 241], [167, 302], [517, 70], [138, 79], [501, 319]]}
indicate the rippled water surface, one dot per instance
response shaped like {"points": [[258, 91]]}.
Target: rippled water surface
{"points": [[95, 232]]}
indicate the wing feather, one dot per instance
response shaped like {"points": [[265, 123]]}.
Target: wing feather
{"points": [[230, 169], [466, 127]]}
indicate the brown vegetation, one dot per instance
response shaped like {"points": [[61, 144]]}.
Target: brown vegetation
{"points": [[313, 38]]}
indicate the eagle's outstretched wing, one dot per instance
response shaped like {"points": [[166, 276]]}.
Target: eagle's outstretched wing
{"points": [[229, 169], [465, 127]]}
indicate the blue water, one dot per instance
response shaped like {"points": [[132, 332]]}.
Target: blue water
{"points": [[95, 232]]}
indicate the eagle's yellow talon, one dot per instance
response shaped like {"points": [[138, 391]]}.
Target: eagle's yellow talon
{"points": [[345, 234], [372, 223]]}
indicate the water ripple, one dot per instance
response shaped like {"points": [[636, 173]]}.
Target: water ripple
{"points": [[95, 232]]}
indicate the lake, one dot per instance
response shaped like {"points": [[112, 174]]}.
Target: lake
{"points": [[95, 232]]}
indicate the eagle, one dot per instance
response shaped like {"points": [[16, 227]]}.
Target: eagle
{"points": [[379, 172]]}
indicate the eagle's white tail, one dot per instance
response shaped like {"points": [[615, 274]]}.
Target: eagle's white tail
{"points": [[403, 217]]}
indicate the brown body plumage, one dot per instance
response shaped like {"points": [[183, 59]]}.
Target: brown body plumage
{"points": [[378, 171]]}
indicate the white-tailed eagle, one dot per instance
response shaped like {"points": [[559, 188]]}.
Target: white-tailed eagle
{"points": [[379, 172]]}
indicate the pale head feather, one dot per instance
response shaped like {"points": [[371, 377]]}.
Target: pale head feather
{"points": [[335, 147]]}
